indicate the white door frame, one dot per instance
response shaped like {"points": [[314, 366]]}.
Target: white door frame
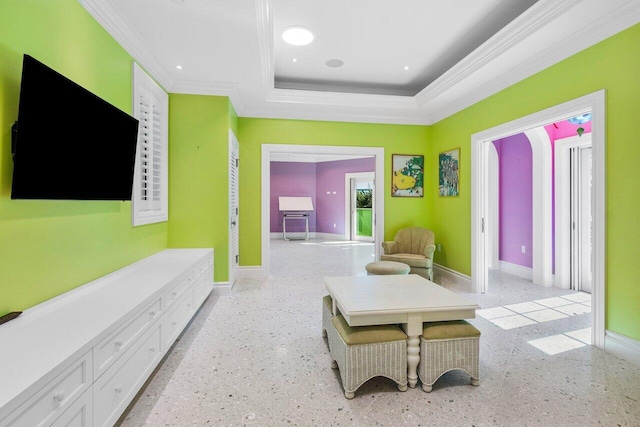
{"points": [[348, 217], [270, 149], [234, 224], [493, 207], [594, 103]]}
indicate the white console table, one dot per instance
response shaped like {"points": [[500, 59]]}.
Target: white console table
{"points": [[80, 358]]}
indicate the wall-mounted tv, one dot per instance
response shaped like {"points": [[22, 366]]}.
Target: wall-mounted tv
{"points": [[69, 144]]}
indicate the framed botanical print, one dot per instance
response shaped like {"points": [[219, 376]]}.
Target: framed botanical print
{"points": [[407, 175], [449, 173]]}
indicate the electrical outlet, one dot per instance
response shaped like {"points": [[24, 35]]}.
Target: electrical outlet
{"points": [[524, 249], [439, 247]]}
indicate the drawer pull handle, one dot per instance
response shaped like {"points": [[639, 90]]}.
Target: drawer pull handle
{"points": [[152, 349], [118, 344], [59, 396], [174, 293], [118, 389], [152, 314]]}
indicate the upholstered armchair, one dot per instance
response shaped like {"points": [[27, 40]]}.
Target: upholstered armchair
{"points": [[413, 246]]}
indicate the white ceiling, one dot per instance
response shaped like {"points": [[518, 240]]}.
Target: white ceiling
{"points": [[458, 51]]}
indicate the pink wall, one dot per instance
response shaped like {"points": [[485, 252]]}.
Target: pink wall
{"points": [[296, 180], [314, 180], [330, 178], [516, 199]]}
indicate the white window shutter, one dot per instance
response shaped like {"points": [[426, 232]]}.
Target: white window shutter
{"points": [[150, 196]]}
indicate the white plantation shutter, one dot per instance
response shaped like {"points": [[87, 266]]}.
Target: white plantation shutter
{"points": [[150, 197]]}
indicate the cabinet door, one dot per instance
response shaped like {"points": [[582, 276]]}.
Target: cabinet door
{"points": [[117, 387], [54, 397], [79, 414]]}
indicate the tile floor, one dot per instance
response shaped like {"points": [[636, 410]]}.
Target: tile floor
{"points": [[257, 358]]}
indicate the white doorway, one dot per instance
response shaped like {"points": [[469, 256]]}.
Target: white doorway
{"points": [[359, 220], [593, 103], [269, 150]]}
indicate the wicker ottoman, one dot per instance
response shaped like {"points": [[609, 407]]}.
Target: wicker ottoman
{"points": [[387, 267], [364, 352], [327, 314], [445, 346]]}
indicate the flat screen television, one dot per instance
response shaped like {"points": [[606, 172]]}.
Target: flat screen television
{"points": [[69, 144]]}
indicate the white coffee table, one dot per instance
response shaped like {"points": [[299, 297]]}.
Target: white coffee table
{"points": [[409, 300]]}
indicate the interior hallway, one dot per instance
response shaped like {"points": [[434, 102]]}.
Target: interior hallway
{"points": [[257, 357]]}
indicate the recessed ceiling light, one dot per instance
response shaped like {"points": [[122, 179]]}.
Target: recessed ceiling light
{"points": [[406, 67], [297, 36], [334, 63], [179, 67], [295, 60]]}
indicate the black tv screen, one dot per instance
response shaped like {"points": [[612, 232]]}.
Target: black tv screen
{"points": [[69, 143]]}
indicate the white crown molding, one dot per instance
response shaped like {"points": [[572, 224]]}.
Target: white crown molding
{"points": [[339, 98], [331, 115], [265, 40], [457, 89], [211, 88], [111, 20], [536, 18], [621, 18]]}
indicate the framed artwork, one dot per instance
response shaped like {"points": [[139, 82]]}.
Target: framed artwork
{"points": [[449, 173], [407, 175]]}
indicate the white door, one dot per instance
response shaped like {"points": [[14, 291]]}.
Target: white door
{"points": [[234, 249], [581, 229]]}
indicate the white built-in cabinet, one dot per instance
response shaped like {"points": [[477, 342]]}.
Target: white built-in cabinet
{"points": [[80, 358]]}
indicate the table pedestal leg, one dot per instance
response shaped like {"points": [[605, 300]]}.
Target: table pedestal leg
{"points": [[413, 358]]}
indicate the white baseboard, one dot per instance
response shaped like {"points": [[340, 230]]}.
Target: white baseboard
{"points": [[331, 236], [454, 276], [250, 272], [622, 346], [298, 235], [221, 289], [517, 270]]}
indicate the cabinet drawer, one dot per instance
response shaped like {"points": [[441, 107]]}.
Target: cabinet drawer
{"points": [[79, 414], [107, 351], [174, 292], [176, 319], [114, 390], [55, 397]]}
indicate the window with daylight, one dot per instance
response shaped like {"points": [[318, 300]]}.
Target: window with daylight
{"points": [[150, 199]]}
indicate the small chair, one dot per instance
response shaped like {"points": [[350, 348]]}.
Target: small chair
{"points": [[445, 346], [364, 352], [413, 246]]}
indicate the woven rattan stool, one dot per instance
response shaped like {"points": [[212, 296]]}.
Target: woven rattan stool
{"points": [[387, 267], [364, 352], [445, 346], [327, 314]]}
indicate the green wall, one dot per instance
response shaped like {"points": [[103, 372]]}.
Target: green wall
{"points": [[198, 175], [611, 65], [49, 247], [395, 139]]}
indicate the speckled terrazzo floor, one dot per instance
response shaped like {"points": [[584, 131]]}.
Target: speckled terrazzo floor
{"points": [[257, 358]]}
